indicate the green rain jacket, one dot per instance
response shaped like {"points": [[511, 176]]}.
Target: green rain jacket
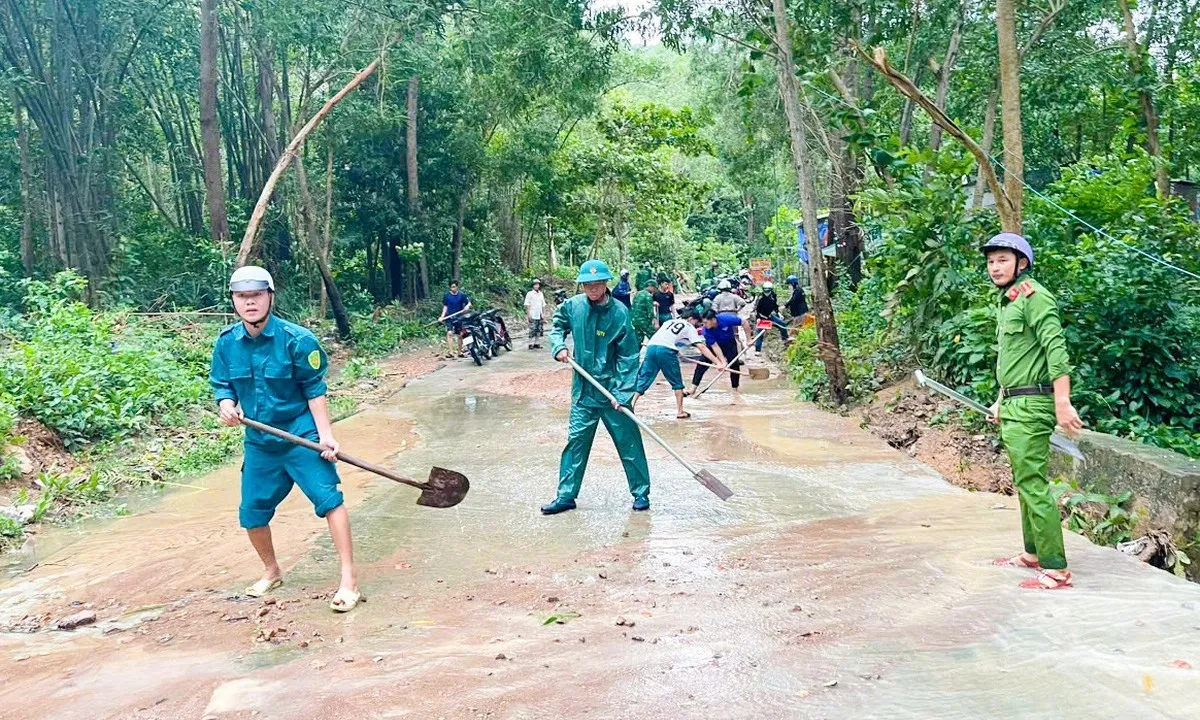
{"points": [[1032, 350], [605, 346]]}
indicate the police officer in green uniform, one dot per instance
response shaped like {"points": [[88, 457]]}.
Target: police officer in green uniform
{"points": [[273, 371], [1035, 394], [607, 348]]}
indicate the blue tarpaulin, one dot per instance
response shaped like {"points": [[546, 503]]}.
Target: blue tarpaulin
{"points": [[801, 245]]}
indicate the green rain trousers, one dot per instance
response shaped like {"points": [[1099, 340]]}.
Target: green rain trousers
{"points": [[1025, 427], [581, 430]]}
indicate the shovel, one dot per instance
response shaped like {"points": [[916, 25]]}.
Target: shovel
{"points": [[702, 476], [729, 364], [445, 488], [1057, 441]]}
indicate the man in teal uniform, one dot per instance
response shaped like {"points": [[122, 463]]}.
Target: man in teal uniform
{"points": [[273, 371], [1035, 393], [607, 348]]}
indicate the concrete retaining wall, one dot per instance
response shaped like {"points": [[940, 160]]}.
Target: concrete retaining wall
{"points": [[1166, 484]]}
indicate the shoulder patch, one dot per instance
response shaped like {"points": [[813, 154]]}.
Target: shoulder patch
{"points": [[1027, 288], [314, 359], [1012, 293]]}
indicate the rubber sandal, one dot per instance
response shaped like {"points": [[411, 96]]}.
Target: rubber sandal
{"points": [[1017, 561], [346, 600], [262, 587], [684, 416], [1040, 582]]}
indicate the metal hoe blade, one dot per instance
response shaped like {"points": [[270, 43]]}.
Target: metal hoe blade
{"points": [[711, 482], [444, 488]]}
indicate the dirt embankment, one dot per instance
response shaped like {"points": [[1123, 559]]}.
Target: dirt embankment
{"points": [[923, 425]]}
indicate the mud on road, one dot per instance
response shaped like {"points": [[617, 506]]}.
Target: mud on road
{"points": [[844, 579]]}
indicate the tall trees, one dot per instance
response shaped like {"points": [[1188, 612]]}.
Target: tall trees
{"points": [[828, 348], [214, 191]]}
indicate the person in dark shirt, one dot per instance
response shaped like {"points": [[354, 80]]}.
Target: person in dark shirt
{"points": [[720, 334], [664, 301], [767, 308], [623, 290], [454, 302], [796, 305]]}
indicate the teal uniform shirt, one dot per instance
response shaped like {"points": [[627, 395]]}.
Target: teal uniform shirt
{"points": [[272, 376]]}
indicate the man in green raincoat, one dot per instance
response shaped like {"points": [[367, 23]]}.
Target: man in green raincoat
{"points": [[1035, 394], [644, 314], [606, 347]]}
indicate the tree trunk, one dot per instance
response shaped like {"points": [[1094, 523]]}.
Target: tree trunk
{"points": [[260, 207], [827, 338], [456, 268], [1010, 114], [989, 139], [27, 253], [309, 212], [944, 72], [210, 134], [326, 237], [1143, 79], [748, 205], [414, 191]]}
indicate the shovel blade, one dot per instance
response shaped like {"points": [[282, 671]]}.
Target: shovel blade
{"points": [[445, 488], [711, 482]]}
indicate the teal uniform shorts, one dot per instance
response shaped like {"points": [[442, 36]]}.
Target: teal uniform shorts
{"points": [[267, 478], [659, 358]]}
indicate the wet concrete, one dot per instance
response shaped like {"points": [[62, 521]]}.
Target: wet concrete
{"points": [[842, 580]]}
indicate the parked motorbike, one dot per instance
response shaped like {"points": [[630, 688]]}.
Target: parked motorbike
{"points": [[496, 330], [475, 338]]}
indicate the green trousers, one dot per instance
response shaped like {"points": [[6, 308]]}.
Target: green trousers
{"points": [[581, 430], [1025, 427]]}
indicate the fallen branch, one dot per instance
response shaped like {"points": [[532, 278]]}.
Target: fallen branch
{"points": [[264, 198], [908, 89]]}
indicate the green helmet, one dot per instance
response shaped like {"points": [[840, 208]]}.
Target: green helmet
{"points": [[593, 271]]}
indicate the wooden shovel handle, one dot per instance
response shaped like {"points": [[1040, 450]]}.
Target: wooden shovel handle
{"points": [[304, 442], [727, 369]]}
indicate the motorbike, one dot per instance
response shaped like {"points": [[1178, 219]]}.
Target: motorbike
{"points": [[475, 338], [496, 330]]}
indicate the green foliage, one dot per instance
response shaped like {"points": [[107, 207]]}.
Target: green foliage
{"points": [[77, 373], [1132, 326], [1104, 519]]}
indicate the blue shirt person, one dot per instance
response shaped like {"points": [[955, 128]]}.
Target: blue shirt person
{"points": [[454, 302], [720, 334], [273, 371]]}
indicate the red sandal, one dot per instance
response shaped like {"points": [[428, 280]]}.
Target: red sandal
{"points": [[1017, 561], [1046, 581]]}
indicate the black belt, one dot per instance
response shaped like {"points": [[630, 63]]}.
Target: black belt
{"points": [[1029, 390]]}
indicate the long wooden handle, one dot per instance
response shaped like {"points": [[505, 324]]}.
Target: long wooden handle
{"points": [[727, 369], [435, 322], [729, 364], [350, 459]]}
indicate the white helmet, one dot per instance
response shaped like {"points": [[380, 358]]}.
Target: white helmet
{"points": [[724, 285], [768, 285], [251, 278]]}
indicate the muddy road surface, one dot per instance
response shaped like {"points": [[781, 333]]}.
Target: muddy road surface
{"points": [[843, 580]]}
